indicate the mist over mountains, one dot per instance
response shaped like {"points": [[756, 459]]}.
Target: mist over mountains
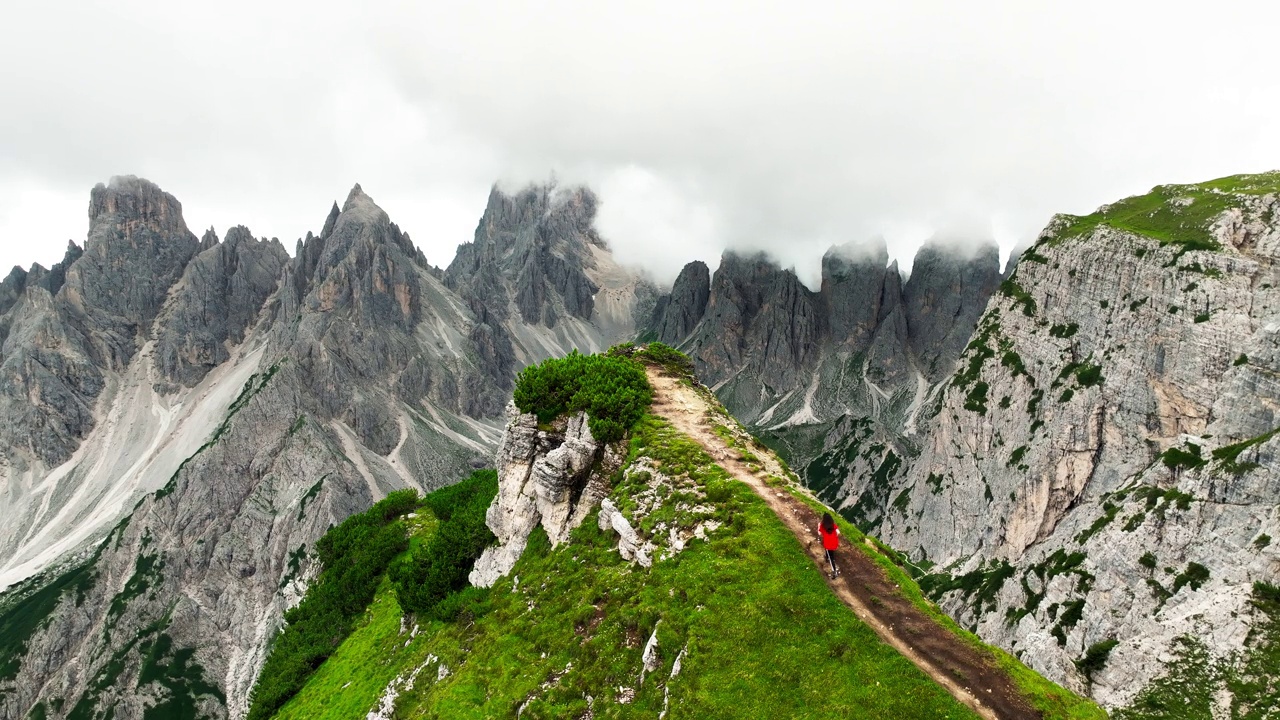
{"points": [[183, 418]]}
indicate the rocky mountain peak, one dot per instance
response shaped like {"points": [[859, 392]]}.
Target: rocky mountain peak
{"points": [[759, 316], [209, 239], [332, 220], [505, 212], [361, 223], [129, 198], [854, 278], [53, 279], [542, 236], [676, 315], [137, 248], [11, 288], [214, 304], [360, 208], [239, 235], [946, 293], [851, 256]]}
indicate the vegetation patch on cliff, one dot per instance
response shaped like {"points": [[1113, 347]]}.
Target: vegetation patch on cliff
{"points": [[1172, 214], [1021, 298], [1228, 456], [24, 610], [979, 587], [432, 580], [611, 388], [354, 556], [1195, 681]]}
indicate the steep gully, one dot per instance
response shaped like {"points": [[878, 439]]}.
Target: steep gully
{"points": [[955, 665]]}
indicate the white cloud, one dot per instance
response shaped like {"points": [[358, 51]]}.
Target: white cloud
{"points": [[702, 125]]}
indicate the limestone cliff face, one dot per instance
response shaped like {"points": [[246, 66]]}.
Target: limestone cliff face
{"points": [[677, 314], [220, 293], [761, 326], [1105, 455], [946, 293], [136, 230], [549, 478]]}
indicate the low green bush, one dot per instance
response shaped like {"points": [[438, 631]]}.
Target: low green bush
{"points": [[353, 556], [612, 389], [1095, 658], [432, 580]]}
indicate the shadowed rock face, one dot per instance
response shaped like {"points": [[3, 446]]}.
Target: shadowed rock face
{"points": [[676, 315], [943, 299], [533, 248], [11, 288], [853, 289], [781, 355], [220, 294], [136, 231], [761, 319]]}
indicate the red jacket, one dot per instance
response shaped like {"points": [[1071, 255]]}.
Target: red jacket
{"points": [[830, 540]]}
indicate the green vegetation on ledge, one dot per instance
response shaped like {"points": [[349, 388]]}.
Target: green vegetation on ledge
{"points": [[432, 580], [1172, 214], [1228, 456], [354, 556], [612, 389]]}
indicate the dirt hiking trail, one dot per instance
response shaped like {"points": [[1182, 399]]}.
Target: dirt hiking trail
{"points": [[967, 673]]}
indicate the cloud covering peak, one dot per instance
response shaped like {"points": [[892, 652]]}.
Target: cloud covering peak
{"points": [[764, 126]]}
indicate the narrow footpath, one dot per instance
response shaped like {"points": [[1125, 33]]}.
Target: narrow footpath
{"points": [[966, 672]]}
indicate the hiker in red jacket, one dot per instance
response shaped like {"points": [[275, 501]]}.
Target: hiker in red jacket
{"points": [[830, 541]]}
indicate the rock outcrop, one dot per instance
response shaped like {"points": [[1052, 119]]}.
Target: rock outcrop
{"points": [[761, 325], [555, 479], [545, 478]]}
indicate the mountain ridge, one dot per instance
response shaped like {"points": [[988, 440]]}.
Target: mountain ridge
{"points": [[359, 373], [545, 475], [1089, 430]]}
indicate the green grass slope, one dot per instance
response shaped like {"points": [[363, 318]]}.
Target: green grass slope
{"points": [[755, 627], [1173, 214], [349, 683]]}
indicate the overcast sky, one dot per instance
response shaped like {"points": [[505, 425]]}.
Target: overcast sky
{"points": [[783, 126]]}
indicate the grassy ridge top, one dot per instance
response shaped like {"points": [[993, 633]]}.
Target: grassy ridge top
{"points": [[752, 624], [733, 620], [1171, 214]]}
